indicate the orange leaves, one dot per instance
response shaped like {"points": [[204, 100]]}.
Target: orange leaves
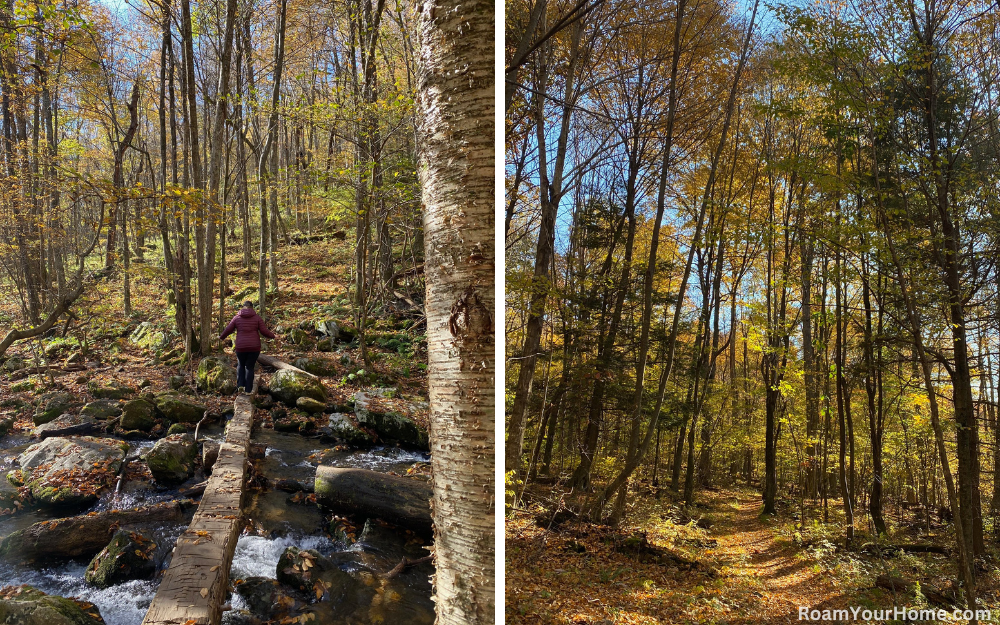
{"points": [[320, 588]]}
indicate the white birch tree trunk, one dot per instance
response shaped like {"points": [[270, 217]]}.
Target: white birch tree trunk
{"points": [[456, 124]]}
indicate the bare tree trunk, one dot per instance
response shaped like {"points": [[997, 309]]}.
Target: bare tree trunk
{"points": [[268, 231], [456, 99], [206, 278]]}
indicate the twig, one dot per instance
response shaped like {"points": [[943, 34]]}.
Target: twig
{"points": [[399, 568], [203, 417]]}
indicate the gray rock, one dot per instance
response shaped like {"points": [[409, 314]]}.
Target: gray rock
{"points": [[328, 328], [209, 454], [149, 337], [342, 427], [15, 363], [61, 422], [138, 414], [287, 386], [52, 405], [177, 381], [92, 462], [390, 425], [6, 425], [171, 460], [216, 375], [26, 605], [102, 409], [298, 336]]}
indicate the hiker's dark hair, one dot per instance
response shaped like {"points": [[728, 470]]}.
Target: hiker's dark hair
{"points": [[248, 304]]}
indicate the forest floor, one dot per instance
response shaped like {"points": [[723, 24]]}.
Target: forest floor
{"points": [[737, 568], [313, 285]]}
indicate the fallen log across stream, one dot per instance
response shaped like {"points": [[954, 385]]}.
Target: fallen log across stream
{"points": [[401, 500], [196, 584], [86, 534]]}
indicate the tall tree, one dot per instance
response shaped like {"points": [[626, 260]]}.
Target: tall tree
{"points": [[456, 101]]}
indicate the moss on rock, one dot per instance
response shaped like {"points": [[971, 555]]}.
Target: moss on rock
{"points": [[287, 386], [26, 605], [128, 556], [171, 460], [138, 414], [216, 375], [177, 407]]}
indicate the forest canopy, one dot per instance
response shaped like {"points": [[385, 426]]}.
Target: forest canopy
{"points": [[756, 244], [202, 133]]}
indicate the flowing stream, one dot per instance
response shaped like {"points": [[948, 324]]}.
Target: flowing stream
{"points": [[277, 522]]}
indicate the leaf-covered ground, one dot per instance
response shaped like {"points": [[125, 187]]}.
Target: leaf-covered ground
{"points": [[737, 568], [314, 282]]}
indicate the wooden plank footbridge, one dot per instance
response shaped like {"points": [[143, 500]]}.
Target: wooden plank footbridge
{"points": [[196, 583]]}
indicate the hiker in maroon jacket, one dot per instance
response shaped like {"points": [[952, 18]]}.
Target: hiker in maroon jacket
{"points": [[249, 326]]}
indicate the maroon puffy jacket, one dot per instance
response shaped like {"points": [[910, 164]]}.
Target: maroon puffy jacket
{"points": [[247, 324]]}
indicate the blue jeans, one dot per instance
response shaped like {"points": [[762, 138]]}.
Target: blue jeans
{"points": [[244, 370]]}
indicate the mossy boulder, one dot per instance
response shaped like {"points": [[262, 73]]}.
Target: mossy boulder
{"points": [[390, 424], [138, 414], [15, 363], [342, 427], [102, 409], [178, 407], [298, 336], [325, 344], [172, 458], [128, 556], [26, 605], [316, 366], [9, 496], [6, 425], [51, 405], [216, 375], [288, 386], [177, 428], [310, 405], [69, 471], [113, 390]]}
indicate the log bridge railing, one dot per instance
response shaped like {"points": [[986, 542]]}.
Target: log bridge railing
{"points": [[196, 584]]}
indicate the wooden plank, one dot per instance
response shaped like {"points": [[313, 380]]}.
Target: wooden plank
{"points": [[196, 583], [270, 361]]}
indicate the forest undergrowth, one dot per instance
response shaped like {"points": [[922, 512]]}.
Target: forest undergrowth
{"points": [[314, 286], [721, 562]]}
